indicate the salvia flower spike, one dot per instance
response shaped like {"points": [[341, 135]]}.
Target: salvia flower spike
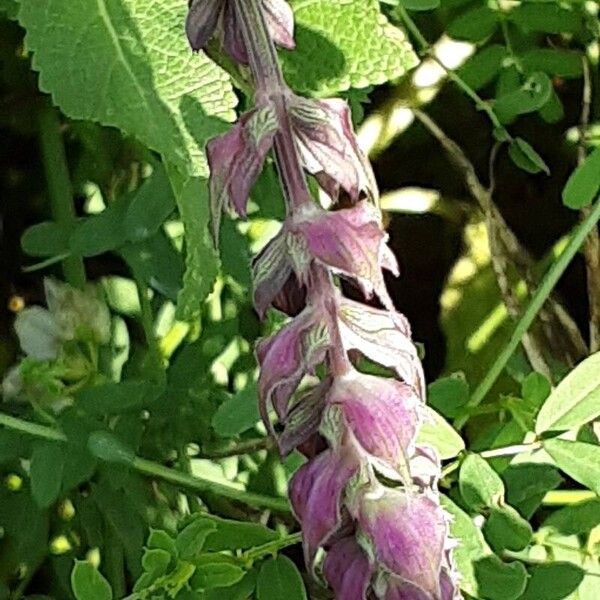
{"points": [[367, 539]]}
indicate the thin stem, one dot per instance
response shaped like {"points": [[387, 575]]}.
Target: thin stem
{"points": [[60, 191], [272, 547], [537, 301], [428, 51], [158, 371], [591, 247], [154, 469], [246, 447]]}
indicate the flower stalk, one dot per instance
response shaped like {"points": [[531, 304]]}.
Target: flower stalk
{"points": [[356, 430]]}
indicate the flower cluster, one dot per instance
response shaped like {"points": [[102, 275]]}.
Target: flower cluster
{"points": [[379, 540]]}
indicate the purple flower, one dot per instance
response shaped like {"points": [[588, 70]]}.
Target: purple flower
{"points": [[383, 416], [329, 149], [349, 241], [347, 570], [286, 357], [207, 17], [316, 494], [407, 535], [384, 337], [236, 159]]}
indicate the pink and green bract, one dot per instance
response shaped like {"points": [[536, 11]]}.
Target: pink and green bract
{"points": [[368, 539]]}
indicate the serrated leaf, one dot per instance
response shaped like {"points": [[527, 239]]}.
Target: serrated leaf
{"points": [[47, 464], [201, 260], [126, 63], [552, 581], [578, 460], [575, 401], [88, 583], [584, 183], [475, 25], [279, 578], [526, 158], [439, 434], [342, 44], [480, 486]]}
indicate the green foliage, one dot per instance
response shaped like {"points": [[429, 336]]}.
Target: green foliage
{"points": [[88, 583], [280, 578]]}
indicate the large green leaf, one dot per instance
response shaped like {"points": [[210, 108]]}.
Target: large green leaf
{"points": [[88, 583], [126, 63], [579, 460], [480, 486], [584, 183], [201, 260], [47, 464], [343, 44], [576, 399], [437, 432]]}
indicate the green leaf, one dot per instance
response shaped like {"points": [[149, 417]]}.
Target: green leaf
{"points": [[475, 25], [156, 561], [237, 414], [480, 486], [127, 64], [584, 183], [47, 464], [110, 448], [527, 484], [88, 583], [483, 67], [439, 434], [201, 260], [279, 578], [578, 460], [161, 540], [448, 395], [190, 540], [553, 62], [45, 239], [241, 590], [238, 535], [342, 44], [505, 529], [215, 571], [526, 158], [419, 5], [118, 398], [472, 546], [149, 207], [576, 399], [576, 518], [547, 17], [498, 580], [531, 96], [10, 8], [552, 581]]}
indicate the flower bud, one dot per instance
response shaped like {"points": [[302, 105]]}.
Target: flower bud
{"points": [[347, 570], [236, 159]]}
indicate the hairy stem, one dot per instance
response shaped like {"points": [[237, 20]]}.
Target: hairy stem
{"points": [[60, 191]]}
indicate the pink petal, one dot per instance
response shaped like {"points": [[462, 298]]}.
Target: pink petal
{"points": [[280, 21], [383, 337], [316, 492], [347, 570], [408, 533]]}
